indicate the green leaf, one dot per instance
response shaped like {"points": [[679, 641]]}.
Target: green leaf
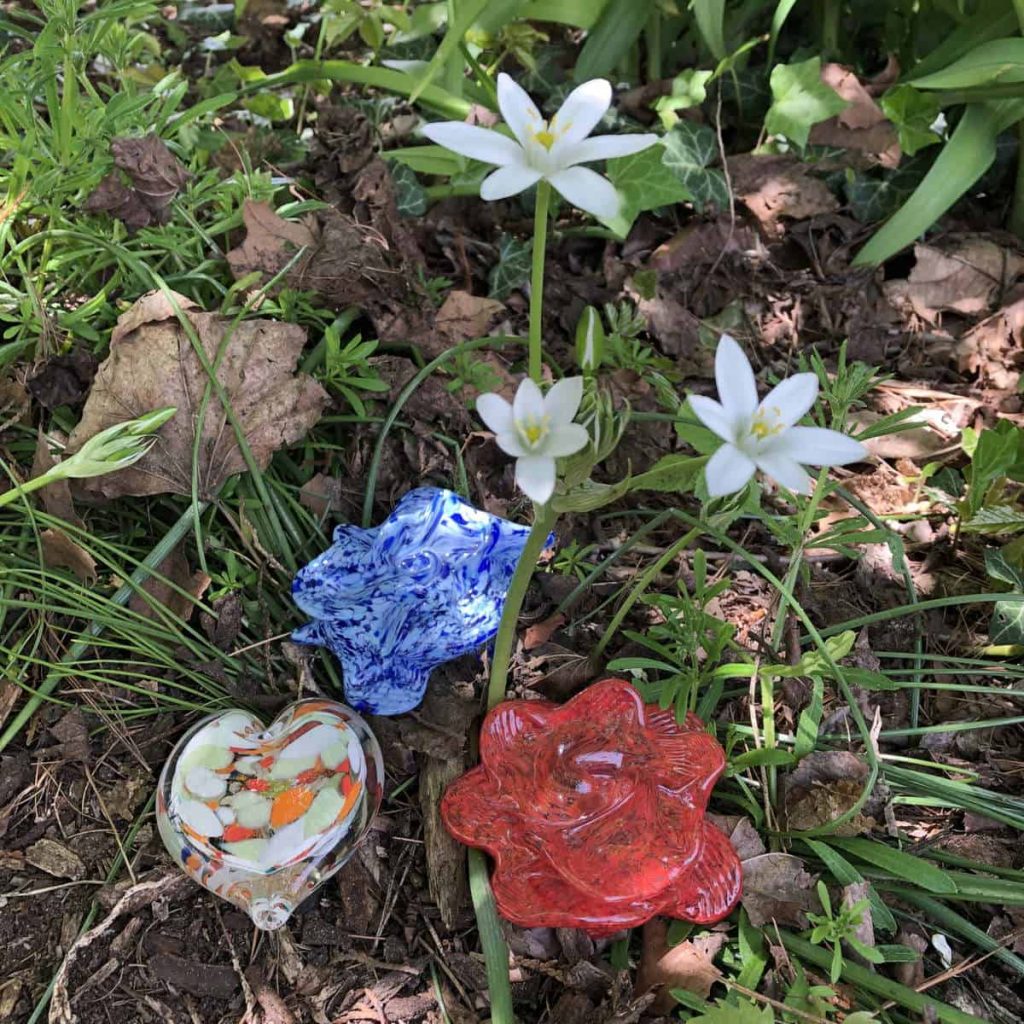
{"points": [[513, 267], [875, 195], [724, 1012], [992, 19], [912, 113], [410, 195], [800, 100], [963, 160], [427, 159], [590, 496], [581, 13], [617, 29], [997, 61], [710, 15], [1007, 623], [999, 568], [645, 183], [918, 870], [492, 938], [689, 89], [810, 720], [671, 473], [689, 150], [994, 454], [467, 12], [755, 758], [996, 519], [846, 874]]}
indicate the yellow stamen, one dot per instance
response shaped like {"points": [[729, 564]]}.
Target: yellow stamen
{"points": [[533, 430], [766, 426], [545, 137]]}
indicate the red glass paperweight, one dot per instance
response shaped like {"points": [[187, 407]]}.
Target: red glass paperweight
{"points": [[593, 811]]}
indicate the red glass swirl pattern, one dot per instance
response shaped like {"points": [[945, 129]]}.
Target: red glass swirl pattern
{"points": [[593, 811]]}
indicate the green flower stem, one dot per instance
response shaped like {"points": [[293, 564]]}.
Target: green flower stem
{"points": [[545, 517], [20, 490], [60, 671], [540, 241], [642, 583]]}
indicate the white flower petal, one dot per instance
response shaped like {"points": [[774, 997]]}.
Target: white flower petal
{"points": [[815, 446], [737, 389], [565, 439], [495, 412], [727, 471], [535, 476], [786, 471], [606, 147], [511, 444], [790, 400], [583, 108], [562, 402], [475, 142], [508, 181], [518, 110], [587, 190], [714, 417], [528, 403]]}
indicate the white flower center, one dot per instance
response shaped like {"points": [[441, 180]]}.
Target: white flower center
{"points": [[766, 424], [533, 430]]}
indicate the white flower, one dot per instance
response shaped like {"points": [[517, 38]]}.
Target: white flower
{"points": [[546, 149], [763, 435], [536, 429]]}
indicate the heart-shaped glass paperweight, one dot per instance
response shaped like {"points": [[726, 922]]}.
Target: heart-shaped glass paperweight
{"points": [[261, 815]]}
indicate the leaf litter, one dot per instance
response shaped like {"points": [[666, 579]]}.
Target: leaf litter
{"points": [[153, 363]]}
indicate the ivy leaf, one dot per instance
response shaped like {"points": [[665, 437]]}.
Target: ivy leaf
{"points": [[513, 267], [800, 100], [999, 568], [689, 150], [875, 196], [996, 519], [645, 183], [913, 113], [410, 195]]}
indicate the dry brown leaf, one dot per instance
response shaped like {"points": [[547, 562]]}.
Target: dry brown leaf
{"points": [[55, 496], [72, 733], [321, 494], [55, 859], [540, 632], [823, 786], [861, 126], [152, 364], [703, 243], [993, 348], [14, 403], [773, 187], [776, 887], [156, 177], [64, 379], [965, 275], [61, 552], [464, 316], [687, 965], [176, 573], [745, 838], [270, 241]]}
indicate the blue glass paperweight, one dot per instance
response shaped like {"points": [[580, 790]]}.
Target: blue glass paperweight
{"points": [[395, 601]]}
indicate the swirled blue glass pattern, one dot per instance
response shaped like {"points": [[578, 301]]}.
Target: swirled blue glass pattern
{"points": [[395, 601]]}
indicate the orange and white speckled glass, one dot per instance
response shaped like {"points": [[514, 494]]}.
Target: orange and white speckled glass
{"points": [[262, 815]]}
